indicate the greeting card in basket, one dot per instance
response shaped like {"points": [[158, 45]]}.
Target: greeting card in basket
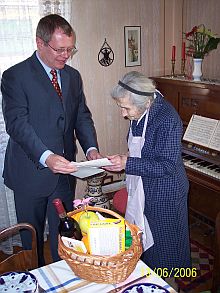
{"points": [[107, 237]]}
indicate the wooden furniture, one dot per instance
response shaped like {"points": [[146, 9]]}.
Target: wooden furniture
{"points": [[216, 267], [23, 259], [203, 99]]}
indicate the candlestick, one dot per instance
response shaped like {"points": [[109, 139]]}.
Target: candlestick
{"points": [[173, 53], [173, 68], [183, 51], [183, 62]]}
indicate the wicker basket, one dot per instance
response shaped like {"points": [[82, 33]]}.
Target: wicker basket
{"points": [[104, 269]]}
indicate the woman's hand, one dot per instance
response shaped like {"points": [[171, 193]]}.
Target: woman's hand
{"points": [[118, 163]]}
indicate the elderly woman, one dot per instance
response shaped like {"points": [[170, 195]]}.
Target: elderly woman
{"points": [[155, 176]]}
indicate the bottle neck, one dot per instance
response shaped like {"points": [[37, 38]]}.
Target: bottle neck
{"points": [[62, 215], [59, 208]]}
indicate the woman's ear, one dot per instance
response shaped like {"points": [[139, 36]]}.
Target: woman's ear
{"points": [[148, 104]]}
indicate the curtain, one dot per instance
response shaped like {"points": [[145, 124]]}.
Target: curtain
{"points": [[61, 7], [18, 22]]}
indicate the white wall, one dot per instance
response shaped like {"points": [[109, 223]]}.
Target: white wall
{"points": [[205, 12], [162, 23], [95, 20]]}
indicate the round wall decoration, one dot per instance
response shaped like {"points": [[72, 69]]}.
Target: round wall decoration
{"points": [[106, 55]]}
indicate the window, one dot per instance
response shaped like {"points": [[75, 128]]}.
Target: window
{"points": [[18, 22]]}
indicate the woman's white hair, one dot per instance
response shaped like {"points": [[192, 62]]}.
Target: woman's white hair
{"points": [[139, 82]]}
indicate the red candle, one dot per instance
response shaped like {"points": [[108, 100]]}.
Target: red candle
{"points": [[183, 51], [173, 53]]}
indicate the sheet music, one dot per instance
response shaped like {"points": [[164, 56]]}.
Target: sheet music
{"points": [[203, 131], [215, 142]]}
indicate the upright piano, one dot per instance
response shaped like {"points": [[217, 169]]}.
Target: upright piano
{"points": [[202, 164]]}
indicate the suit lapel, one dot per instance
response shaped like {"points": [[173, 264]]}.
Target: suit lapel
{"points": [[64, 82], [44, 80]]}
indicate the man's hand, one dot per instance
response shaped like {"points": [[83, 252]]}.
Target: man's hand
{"points": [[58, 164], [93, 155]]}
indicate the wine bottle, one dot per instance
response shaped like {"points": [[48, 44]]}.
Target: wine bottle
{"points": [[68, 227]]}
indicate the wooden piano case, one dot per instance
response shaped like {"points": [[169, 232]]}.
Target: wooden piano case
{"points": [[203, 99]]}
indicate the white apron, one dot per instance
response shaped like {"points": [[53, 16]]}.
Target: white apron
{"points": [[136, 198]]}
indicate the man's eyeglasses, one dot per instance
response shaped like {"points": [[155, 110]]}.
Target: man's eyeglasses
{"points": [[60, 51]]}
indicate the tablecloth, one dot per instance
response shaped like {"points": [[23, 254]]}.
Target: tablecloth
{"points": [[58, 277]]}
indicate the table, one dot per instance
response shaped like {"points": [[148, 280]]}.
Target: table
{"points": [[58, 277]]}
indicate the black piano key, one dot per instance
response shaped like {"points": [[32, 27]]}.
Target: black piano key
{"points": [[217, 169], [196, 161], [205, 164], [212, 167], [187, 157]]}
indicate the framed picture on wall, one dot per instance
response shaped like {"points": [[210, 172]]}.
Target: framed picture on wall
{"points": [[132, 35]]}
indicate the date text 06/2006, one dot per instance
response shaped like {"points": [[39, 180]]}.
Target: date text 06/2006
{"points": [[173, 272]]}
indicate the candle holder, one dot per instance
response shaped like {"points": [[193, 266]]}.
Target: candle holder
{"points": [[173, 68], [183, 63]]}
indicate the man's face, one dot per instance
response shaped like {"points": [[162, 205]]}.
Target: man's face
{"points": [[48, 53], [129, 110]]}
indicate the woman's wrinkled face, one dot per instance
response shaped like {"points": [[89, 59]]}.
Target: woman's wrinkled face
{"points": [[129, 110]]}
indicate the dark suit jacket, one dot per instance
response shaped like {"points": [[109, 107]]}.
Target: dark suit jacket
{"points": [[37, 120]]}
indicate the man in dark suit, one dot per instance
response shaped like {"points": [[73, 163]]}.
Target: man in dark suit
{"points": [[44, 112]]}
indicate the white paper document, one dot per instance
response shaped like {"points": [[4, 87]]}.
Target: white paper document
{"points": [[90, 168], [84, 172], [94, 163]]}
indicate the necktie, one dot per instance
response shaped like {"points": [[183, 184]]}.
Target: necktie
{"points": [[55, 82]]}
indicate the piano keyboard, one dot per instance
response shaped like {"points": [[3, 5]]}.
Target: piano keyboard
{"points": [[201, 166]]}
